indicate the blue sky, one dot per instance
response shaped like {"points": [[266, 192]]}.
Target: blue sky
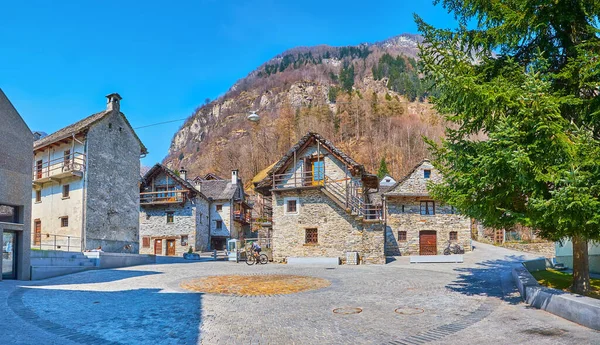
{"points": [[58, 59]]}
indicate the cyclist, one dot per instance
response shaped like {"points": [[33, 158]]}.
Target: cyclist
{"points": [[256, 248]]}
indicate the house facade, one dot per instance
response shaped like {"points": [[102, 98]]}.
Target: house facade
{"points": [[230, 215], [16, 141], [416, 224], [320, 204], [174, 215], [86, 184]]}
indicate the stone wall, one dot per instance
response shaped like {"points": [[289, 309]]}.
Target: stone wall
{"points": [[202, 225], [153, 224], [16, 157], [338, 231], [543, 248], [410, 220], [112, 193], [416, 183], [225, 215]]}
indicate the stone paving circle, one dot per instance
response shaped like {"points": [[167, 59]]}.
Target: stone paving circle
{"points": [[255, 285], [409, 310]]}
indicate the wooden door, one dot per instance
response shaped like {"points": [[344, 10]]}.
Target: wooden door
{"points": [[158, 247], [428, 242], [37, 232], [38, 169], [171, 247]]}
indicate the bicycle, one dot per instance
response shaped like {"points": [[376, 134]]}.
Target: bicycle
{"points": [[453, 248], [254, 258]]}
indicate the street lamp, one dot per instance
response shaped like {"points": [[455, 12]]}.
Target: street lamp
{"points": [[253, 117]]}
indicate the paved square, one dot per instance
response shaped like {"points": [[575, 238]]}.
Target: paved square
{"points": [[399, 303]]}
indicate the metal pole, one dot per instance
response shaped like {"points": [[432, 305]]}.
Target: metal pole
{"points": [[295, 169], [54, 242], [68, 243]]}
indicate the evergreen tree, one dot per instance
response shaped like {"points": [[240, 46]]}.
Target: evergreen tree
{"points": [[527, 77], [383, 169]]}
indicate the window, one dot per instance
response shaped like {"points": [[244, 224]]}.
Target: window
{"points": [[67, 157], [38, 196], [402, 208], [427, 208], [38, 169], [426, 173], [219, 224], [219, 208], [291, 206], [9, 214], [312, 236], [184, 240], [453, 236], [64, 222], [146, 242], [318, 172], [169, 217], [66, 191], [402, 236]]}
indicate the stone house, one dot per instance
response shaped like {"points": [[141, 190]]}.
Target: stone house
{"points": [[174, 215], [416, 224], [86, 184], [229, 212], [320, 204], [16, 141]]}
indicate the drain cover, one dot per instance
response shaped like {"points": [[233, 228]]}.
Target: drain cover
{"points": [[347, 310], [408, 311]]}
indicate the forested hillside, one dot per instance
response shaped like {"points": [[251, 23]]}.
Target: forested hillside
{"points": [[367, 99]]}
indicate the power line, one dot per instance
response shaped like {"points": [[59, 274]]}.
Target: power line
{"points": [[160, 123]]}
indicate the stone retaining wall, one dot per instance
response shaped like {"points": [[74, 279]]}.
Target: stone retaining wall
{"points": [[543, 248]]}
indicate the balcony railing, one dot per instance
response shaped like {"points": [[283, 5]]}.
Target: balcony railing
{"points": [[65, 166], [242, 217], [56, 242], [297, 180], [163, 197]]}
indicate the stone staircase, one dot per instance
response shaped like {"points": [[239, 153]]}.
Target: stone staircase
{"points": [[53, 263]]}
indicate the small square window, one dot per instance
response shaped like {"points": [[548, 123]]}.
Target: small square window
{"points": [[184, 240], [291, 206], [402, 236], [146, 242], [64, 222], [453, 236], [312, 236], [170, 217], [65, 191], [427, 173], [219, 224], [219, 208], [38, 196], [427, 208]]}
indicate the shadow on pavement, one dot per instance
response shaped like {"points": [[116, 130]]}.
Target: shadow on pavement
{"points": [[92, 277], [141, 316], [487, 278]]}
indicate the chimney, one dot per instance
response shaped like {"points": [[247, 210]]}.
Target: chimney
{"points": [[113, 102], [234, 176], [183, 173]]}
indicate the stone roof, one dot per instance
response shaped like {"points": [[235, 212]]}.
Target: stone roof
{"points": [[81, 126], [328, 145], [218, 189], [157, 168]]}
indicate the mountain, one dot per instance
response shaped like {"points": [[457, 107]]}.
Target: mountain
{"points": [[368, 99]]}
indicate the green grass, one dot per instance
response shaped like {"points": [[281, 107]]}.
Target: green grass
{"points": [[562, 281]]}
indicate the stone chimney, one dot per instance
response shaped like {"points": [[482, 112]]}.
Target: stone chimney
{"points": [[183, 174], [113, 102], [234, 176]]}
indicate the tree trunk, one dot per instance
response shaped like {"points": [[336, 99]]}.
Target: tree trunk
{"points": [[581, 266]]}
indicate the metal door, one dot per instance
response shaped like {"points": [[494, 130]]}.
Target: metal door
{"points": [[428, 242]]}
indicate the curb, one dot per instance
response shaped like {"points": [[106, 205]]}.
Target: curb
{"points": [[579, 309]]}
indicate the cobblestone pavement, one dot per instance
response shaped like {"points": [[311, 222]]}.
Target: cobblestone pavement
{"points": [[472, 302]]}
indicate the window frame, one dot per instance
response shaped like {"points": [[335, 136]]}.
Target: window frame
{"points": [[286, 206], [64, 221], [16, 213], [184, 242], [426, 173], [311, 236], [429, 211], [452, 234], [146, 242], [219, 207], [170, 217], [402, 238], [38, 196], [66, 188], [218, 224]]}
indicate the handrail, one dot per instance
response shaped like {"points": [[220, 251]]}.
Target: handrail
{"points": [[57, 242], [166, 196], [75, 161]]}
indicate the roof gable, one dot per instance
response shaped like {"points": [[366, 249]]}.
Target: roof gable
{"points": [[158, 168], [415, 183]]}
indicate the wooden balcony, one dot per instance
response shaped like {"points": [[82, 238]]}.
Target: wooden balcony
{"points": [[72, 165], [242, 217], [163, 197]]}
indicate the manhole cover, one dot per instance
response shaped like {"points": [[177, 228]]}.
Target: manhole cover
{"points": [[408, 311], [255, 285], [347, 311]]}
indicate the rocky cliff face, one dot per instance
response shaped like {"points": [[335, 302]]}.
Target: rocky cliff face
{"points": [[353, 95]]}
